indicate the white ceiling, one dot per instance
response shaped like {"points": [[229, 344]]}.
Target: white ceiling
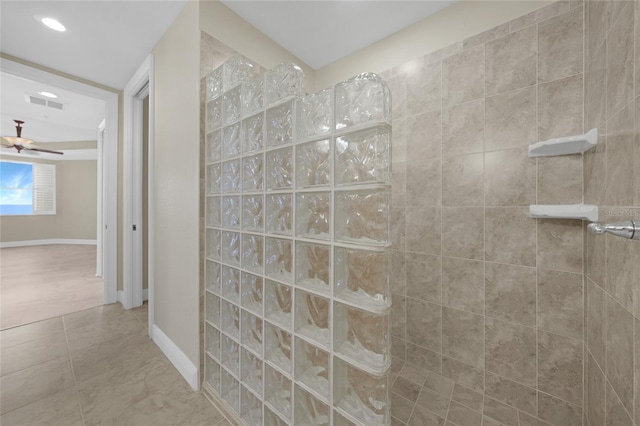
{"points": [[321, 32]]}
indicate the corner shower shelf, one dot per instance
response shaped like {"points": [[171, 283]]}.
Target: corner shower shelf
{"points": [[565, 146], [568, 211]]}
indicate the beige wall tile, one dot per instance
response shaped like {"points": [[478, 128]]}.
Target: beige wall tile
{"points": [[560, 46], [560, 367], [398, 88], [595, 173], [637, 48], [558, 412], [595, 258], [463, 284], [398, 272], [465, 374], [424, 87], [510, 293], [400, 407], [540, 15], [510, 236], [439, 384], [424, 230], [424, 358], [636, 147], [636, 368], [463, 128], [560, 245], [462, 180], [424, 182], [620, 167], [467, 397], [424, 135], [485, 36], [424, 277], [509, 178], [511, 393], [511, 119], [595, 89], [560, 179], [398, 316], [406, 389], [511, 350], [619, 358], [621, 257], [511, 61], [398, 347], [596, 26], [463, 76], [398, 226], [462, 336], [424, 324], [433, 401], [594, 381], [620, 61], [596, 323], [560, 303], [560, 108], [422, 417], [501, 412], [463, 232], [461, 415], [616, 413]]}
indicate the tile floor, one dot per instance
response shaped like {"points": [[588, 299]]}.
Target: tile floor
{"points": [[96, 366]]}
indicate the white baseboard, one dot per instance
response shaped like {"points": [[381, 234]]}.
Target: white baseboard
{"points": [[180, 361], [120, 295], [45, 242]]}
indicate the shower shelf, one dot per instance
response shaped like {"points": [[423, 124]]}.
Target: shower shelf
{"points": [[565, 146], [567, 211]]}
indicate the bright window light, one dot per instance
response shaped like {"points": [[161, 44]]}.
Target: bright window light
{"points": [[54, 24], [48, 94]]}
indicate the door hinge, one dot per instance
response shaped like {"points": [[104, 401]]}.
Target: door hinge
{"points": [[134, 227]]}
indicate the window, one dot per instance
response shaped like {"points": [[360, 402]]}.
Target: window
{"points": [[27, 188]]}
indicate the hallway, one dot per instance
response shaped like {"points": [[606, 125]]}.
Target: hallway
{"points": [[96, 366]]}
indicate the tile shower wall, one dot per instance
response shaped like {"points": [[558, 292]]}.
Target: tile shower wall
{"points": [[487, 316], [612, 180]]}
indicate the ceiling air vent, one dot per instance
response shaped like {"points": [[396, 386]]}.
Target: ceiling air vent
{"points": [[56, 105], [43, 102], [37, 101]]}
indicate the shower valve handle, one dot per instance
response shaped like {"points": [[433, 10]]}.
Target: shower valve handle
{"points": [[629, 229]]}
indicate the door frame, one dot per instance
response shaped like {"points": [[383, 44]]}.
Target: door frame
{"points": [[135, 91], [100, 192], [108, 166]]}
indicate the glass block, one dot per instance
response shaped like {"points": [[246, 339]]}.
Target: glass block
{"points": [[214, 178], [361, 336], [312, 317], [314, 114], [279, 258], [230, 319], [250, 407], [252, 251], [238, 69], [309, 409], [252, 95], [231, 141], [252, 213], [214, 83], [231, 247], [313, 215], [340, 420], [313, 163], [277, 348], [251, 336], [253, 173], [279, 124], [272, 419], [363, 216], [252, 293], [280, 168], [278, 303], [231, 212], [362, 277], [361, 395], [213, 374], [231, 283], [279, 214], [212, 280], [284, 80], [231, 176], [279, 395], [363, 157], [230, 354], [213, 244], [230, 390], [251, 370], [312, 367], [231, 106], [214, 146], [212, 313], [362, 98], [213, 212], [214, 114], [253, 133], [312, 266], [213, 341]]}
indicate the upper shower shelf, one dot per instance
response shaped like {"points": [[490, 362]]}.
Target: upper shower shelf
{"points": [[565, 146], [570, 211]]}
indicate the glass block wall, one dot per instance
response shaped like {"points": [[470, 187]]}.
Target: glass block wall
{"points": [[297, 247]]}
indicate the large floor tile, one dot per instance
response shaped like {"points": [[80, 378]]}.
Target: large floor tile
{"points": [[32, 353], [61, 408]]}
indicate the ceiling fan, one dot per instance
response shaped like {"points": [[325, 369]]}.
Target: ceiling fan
{"points": [[20, 143]]}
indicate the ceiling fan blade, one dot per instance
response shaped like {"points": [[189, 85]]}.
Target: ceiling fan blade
{"points": [[31, 148], [6, 142]]}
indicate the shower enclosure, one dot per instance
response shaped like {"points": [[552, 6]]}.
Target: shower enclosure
{"points": [[297, 281]]}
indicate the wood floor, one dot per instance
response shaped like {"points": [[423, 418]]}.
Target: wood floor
{"points": [[41, 282]]}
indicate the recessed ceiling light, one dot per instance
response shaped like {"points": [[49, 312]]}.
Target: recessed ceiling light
{"points": [[54, 24], [48, 94]]}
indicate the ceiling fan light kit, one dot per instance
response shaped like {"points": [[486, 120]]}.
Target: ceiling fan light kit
{"points": [[20, 143]]}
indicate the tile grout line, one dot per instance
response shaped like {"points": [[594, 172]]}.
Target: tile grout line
{"points": [[73, 373]]}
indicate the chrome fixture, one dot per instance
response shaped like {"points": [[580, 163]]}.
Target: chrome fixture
{"points": [[629, 229]]}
